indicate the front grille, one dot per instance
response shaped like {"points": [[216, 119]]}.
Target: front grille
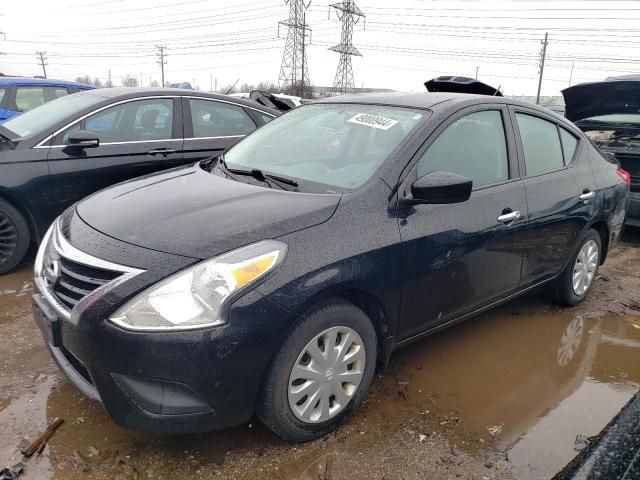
{"points": [[76, 281]]}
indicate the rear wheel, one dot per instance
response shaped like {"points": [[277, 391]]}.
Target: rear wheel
{"points": [[574, 283], [320, 374], [14, 237]]}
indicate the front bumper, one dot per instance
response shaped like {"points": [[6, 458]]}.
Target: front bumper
{"points": [[165, 382]]}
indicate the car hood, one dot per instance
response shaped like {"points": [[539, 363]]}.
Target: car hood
{"points": [[613, 96], [198, 214], [454, 84]]}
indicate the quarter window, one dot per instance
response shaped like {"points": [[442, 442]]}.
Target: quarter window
{"points": [[216, 119], [541, 144], [474, 146], [136, 121], [569, 144], [2, 92]]}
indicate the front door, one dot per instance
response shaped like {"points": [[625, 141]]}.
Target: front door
{"points": [[460, 257], [137, 137]]}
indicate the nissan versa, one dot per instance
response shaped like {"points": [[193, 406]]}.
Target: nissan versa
{"points": [[275, 278]]}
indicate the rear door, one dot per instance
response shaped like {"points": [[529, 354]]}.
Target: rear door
{"points": [[560, 189], [137, 137], [460, 257], [212, 126]]}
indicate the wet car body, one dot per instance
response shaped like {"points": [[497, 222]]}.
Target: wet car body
{"points": [[609, 112], [366, 246]]}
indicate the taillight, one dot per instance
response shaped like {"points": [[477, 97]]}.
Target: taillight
{"points": [[626, 176]]}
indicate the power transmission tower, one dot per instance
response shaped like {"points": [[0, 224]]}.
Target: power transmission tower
{"points": [[543, 56], [349, 14], [161, 61], [294, 74], [42, 58]]}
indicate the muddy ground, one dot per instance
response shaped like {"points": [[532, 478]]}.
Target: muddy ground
{"points": [[501, 396]]}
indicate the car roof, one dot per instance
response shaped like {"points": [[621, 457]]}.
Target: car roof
{"points": [[10, 81], [424, 100], [131, 92]]}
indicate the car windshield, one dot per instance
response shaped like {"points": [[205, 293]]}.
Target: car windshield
{"points": [[43, 118], [620, 130], [336, 145]]}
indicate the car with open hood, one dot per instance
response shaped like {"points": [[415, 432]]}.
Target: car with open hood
{"points": [[275, 279], [609, 114]]}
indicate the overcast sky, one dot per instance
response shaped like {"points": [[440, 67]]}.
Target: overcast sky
{"points": [[403, 43]]}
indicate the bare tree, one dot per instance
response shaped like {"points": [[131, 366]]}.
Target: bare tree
{"points": [[267, 87], [155, 83], [97, 82], [229, 89], [86, 80], [129, 81]]}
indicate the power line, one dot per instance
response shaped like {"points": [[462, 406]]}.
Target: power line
{"points": [[294, 68], [349, 14], [42, 59], [543, 55], [161, 61]]}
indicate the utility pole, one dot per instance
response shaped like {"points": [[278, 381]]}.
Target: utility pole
{"points": [[211, 82], [140, 79], [161, 61], [349, 14], [477, 69], [293, 68], [573, 64], [543, 56], [216, 84], [42, 58], [110, 81], [304, 54]]}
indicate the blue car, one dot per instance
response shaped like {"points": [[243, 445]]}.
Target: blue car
{"points": [[19, 94]]}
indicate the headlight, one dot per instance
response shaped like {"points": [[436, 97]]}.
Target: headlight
{"points": [[194, 298]]}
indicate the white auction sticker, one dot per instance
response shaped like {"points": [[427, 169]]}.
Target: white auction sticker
{"points": [[373, 121]]}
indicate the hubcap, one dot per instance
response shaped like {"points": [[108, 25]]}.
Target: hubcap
{"points": [[326, 375], [585, 267], [8, 237]]}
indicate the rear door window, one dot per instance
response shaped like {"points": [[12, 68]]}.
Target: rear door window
{"points": [[216, 119], [474, 146], [541, 144]]}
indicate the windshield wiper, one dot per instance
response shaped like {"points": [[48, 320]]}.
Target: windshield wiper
{"points": [[258, 174]]}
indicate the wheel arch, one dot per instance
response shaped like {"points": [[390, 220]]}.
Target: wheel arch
{"points": [[370, 304], [602, 228]]}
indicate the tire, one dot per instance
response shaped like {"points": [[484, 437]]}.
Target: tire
{"points": [[14, 237], [565, 293], [276, 403]]}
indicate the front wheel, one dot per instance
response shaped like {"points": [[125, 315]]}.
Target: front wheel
{"points": [[14, 237], [576, 280], [320, 374]]}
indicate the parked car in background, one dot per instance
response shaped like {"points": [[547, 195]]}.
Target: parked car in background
{"points": [[20, 94], [609, 113], [60, 152], [274, 278]]}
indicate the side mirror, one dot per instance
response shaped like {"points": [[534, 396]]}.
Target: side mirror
{"points": [[441, 187], [82, 139]]}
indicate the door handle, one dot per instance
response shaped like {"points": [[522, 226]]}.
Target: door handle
{"points": [[509, 217], [161, 151], [586, 196]]}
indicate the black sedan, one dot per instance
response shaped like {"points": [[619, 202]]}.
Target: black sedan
{"points": [[55, 155], [273, 279]]}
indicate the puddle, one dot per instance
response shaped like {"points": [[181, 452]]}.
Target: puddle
{"points": [[524, 379], [527, 384]]}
